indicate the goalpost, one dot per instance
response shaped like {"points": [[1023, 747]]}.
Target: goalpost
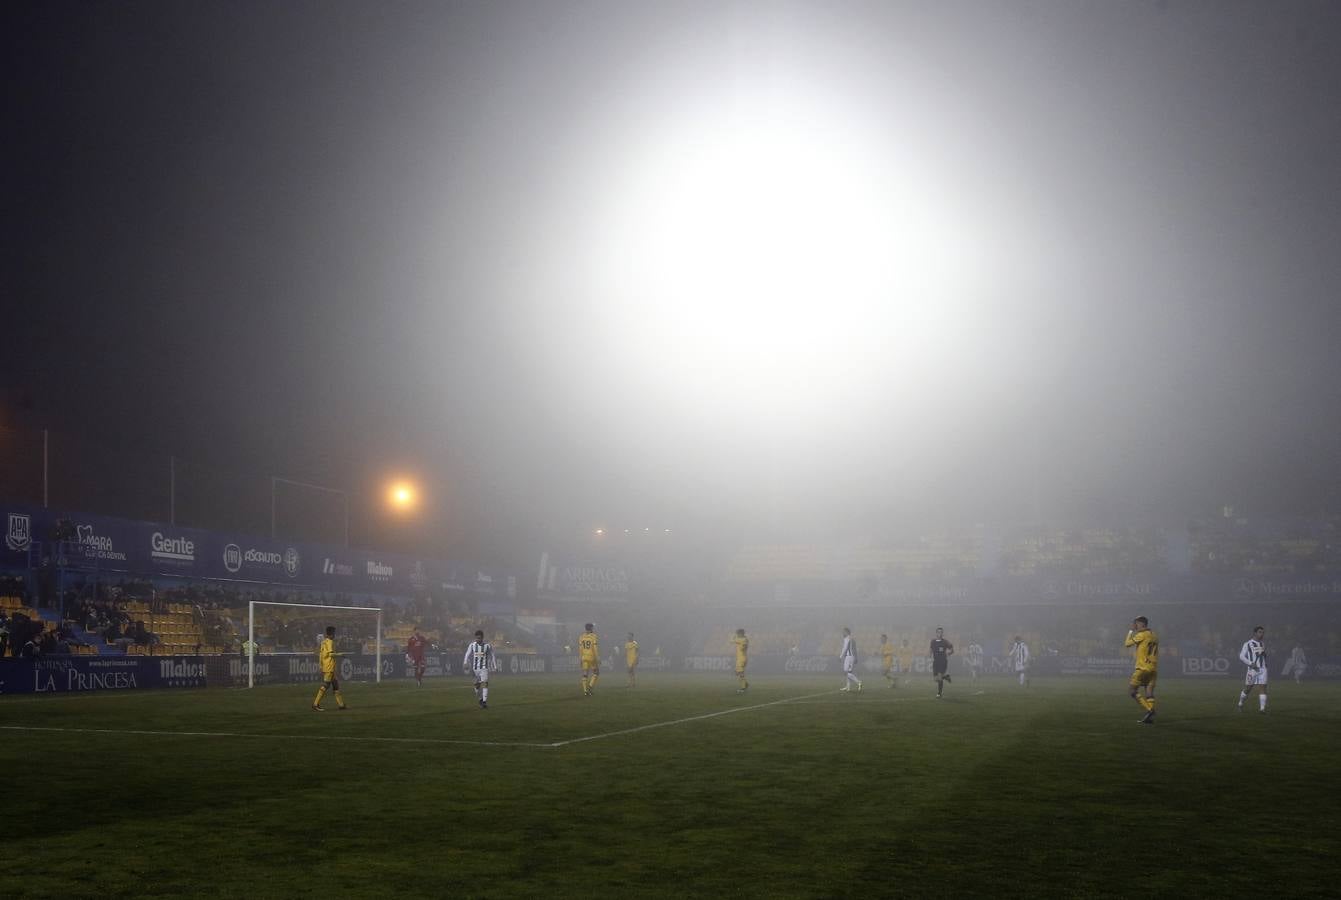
{"points": [[324, 612]]}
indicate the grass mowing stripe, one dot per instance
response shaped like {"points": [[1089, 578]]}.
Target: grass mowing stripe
{"points": [[1012, 793]]}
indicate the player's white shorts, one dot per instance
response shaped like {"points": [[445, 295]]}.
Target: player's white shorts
{"points": [[849, 663], [482, 675], [1255, 676]]}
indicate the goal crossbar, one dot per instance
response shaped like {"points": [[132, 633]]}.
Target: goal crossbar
{"points": [[251, 631]]}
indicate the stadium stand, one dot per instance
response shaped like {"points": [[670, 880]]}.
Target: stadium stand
{"points": [[1091, 551], [1230, 545]]}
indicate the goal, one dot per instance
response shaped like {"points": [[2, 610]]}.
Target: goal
{"points": [[294, 630]]}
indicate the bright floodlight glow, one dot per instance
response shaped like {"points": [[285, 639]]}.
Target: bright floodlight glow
{"points": [[402, 496], [774, 249]]}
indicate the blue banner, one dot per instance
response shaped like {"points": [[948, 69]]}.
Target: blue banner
{"points": [[100, 674], [82, 541], [304, 668]]}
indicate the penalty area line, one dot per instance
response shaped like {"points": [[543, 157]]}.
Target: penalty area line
{"points": [[712, 715]]}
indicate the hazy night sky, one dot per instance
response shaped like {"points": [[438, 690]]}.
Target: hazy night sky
{"points": [[1084, 254]]}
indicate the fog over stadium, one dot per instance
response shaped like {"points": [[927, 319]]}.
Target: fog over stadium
{"points": [[749, 448], [779, 268]]}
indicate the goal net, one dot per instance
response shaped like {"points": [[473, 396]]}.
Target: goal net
{"points": [[282, 640]]}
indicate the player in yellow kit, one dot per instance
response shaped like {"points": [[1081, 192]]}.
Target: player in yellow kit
{"points": [[742, 659], [1147, 666], [905, 658], [631, 658], [326, 654], [589, 655], [887, 659]]}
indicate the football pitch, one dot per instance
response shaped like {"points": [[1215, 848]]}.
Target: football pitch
{"points": [[678, 788]]}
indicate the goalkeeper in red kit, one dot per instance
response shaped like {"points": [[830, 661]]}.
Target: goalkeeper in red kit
{"points": [[414, 654]]}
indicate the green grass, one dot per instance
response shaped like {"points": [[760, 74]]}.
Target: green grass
{"points": [[1054, 791]]}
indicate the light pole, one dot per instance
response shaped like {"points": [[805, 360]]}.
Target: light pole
{"points": [[275, 480]]}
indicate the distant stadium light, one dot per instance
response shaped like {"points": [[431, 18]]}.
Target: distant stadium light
{"points": [[402, 496], [600, 531]]}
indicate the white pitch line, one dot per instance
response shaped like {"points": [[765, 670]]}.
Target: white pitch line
{"points": [[712, 715], [855, 703], [395, 740], [291, 737]]}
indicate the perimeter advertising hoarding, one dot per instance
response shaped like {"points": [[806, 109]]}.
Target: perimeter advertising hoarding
{"points": [[303, 668], [1112, 666], [156, 548], [100, 674], [91, 674], [1119, 666], [95, 674]]}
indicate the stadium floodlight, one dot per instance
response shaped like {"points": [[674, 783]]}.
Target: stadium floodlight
{"points": [[774, 249], [402, 495], [315, 611]]}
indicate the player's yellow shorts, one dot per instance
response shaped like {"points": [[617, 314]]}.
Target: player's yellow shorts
{"points": [[590, 663], [1143, 678]]}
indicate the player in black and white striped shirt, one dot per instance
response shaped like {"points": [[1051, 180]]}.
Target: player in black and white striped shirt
{"points": [[1253, 655], [480, 661], [848, 656], [1019, 658]]}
